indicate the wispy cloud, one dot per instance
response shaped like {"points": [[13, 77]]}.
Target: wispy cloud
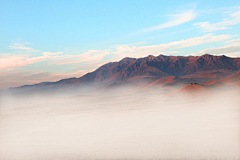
{"points": [[123, 51], [13, 60], [174, 21], [236, 41], [92, 59], [232, 19], [232, 50], [91, 56], [21, 47]]}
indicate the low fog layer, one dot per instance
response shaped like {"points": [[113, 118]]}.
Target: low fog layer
{"points": [[124, 125]]}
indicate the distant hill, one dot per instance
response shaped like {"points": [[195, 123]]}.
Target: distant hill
{"points": [[233, 80]]}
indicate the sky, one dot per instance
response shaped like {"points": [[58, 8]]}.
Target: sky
{"points": [[50, 40]]}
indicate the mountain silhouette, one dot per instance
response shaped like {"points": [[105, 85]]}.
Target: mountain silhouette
{"points": [[182, 69]]}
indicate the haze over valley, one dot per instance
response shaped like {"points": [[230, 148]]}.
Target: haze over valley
{"points": [[121, 113], [119, 80]]}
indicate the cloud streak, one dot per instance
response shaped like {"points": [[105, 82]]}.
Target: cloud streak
{"points": [[175, 20], [21, 47], [12, 60], [92, 59], [230, 50], [123, 51], [232, 19]]}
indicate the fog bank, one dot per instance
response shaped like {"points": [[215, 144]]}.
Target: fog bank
{"points": [[137, 125]]}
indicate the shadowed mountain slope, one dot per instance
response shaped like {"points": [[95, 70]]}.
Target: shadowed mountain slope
{"points": [[150, 69], [160, 66], [230, 80]]}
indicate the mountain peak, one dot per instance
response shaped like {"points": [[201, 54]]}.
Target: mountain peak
{"points": [[126, 59], [150, 57], [207, 55], [152, 67], [223, 56]]}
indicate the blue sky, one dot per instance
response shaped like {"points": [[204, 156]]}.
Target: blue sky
{"points": [[51, 40]]}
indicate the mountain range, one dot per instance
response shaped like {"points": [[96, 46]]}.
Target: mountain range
{"points": [[151, 72]]}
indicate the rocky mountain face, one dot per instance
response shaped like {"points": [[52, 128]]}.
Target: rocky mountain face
{"points": [[160, 66], [155, 67]]}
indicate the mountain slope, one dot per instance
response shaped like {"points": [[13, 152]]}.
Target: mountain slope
{"points": [[160, 66], [149, 68], [230, 80]]}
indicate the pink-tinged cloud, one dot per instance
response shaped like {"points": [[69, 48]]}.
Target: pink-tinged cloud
{"points": [[232, 50], [12, 60], [96, 57], [92, 59], [22, 48]]}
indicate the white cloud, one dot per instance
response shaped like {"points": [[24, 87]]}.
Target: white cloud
{"points": [[236, 41], [13, 60], [24, 57], [176, 20], [92, 59], [207, 27], [87, 58], [127, 51], [51, 53], [232, 19], [21, 47], [232, 50]]}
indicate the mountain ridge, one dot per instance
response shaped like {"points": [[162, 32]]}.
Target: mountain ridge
{"points": [[151, 68]]}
